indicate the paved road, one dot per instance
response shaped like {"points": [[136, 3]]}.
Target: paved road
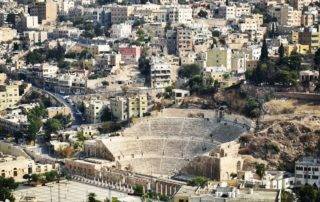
{"points": [[77, 119]]}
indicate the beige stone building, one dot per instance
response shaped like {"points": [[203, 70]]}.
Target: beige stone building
{"points": [[123, 108], [9, 96], [54, 111], [16, 167], [137, 105], [286, 15], [7, 34], [3, 78]]}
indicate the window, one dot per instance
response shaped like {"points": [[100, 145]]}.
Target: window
{"points": [[15, 172]]}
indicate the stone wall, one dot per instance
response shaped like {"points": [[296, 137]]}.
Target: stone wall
{"points": [[8, 148], [297, 95]]}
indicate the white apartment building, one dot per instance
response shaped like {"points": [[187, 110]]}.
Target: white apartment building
{"points": [[180, 14], [33, 37], [307, 171], [29, 22], [122, 30], [94, 110], [47, 70], [66, 32], [234, 11], [160, 73]]}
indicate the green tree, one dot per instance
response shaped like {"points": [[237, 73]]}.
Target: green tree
{"points": [[295, 61], [252, 108], [309, 193], [144, 65], [189, 71], [286, 78], [11, 18], [198, 181], [264, 57], [35, 178], [51, 176], [81, 137], [92, 197], [286, 196], [52, 126], [34, 127], [203, 14], [281, 53], [7, 186], [260, 169], [106, 115], [62, 64], [138, 190]]}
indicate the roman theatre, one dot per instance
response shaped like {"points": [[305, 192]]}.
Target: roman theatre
{"points": [[163, 144]]}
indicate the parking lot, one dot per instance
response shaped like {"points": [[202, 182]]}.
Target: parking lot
{"points": [[70, 192]]}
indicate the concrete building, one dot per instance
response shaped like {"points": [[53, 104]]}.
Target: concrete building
{"points": [[9, 96], [14, 122], [119, 108], [310, 36], [219, 57], [28, 22], [54, 111], [66, 32], [299, 4], [160, 73], [7, 34], [120, 14], [181, 14], [123, 108], [94, 110], [307, 171], [17, 167], [3, 78], [46, 70], [122, 30], [308, 75], [184, 40], [130, 54], [223, 192], [249, 23], [137, 105], [286, 15], [46, 11], [234, 11], [33, 37]]}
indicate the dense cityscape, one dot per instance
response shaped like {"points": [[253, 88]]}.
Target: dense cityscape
{"points": [[159, 100]]}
